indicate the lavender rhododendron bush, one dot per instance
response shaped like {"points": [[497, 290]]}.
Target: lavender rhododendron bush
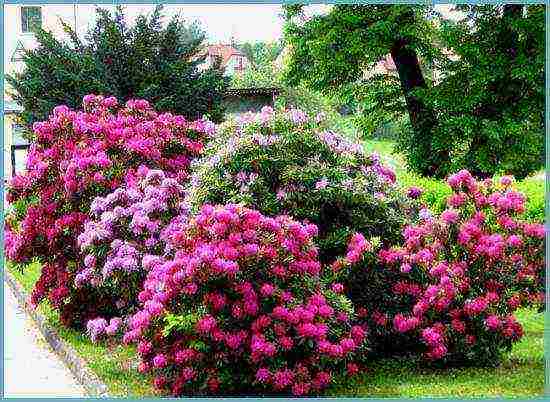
{"points": [[286, 162], [450, 291], [76, 156], [124, 237], [239, 308]]}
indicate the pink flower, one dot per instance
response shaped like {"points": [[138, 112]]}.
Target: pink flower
{"points": [[144, 348], [431, 337], [449, 216], [206, 324], [492, 322], [263, 375], [337, 288], [506, 180], [267, 290], [352, 369], [160, 361], [321, 184], [414, 192], [282, 379]]}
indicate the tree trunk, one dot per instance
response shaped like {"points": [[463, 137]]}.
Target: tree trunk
{"points": [[422, 116]]}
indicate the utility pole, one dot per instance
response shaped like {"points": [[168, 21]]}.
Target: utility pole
{"points": [[74, 14]]}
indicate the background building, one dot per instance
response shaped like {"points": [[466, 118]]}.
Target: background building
{"points": [[232, 59]]}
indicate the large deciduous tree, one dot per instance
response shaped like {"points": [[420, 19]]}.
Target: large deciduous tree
{"points": [[148, 59], [491, 95], [485, 109], [331, 50]]}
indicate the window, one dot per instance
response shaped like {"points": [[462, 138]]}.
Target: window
{"points": [[19, 149], [31, 18]]}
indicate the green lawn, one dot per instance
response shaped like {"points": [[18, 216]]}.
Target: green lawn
{"points": [[521, 374]]}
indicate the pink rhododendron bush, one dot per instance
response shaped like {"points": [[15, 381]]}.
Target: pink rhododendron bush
{"points": [[239, 308], [451, 289], [76, 156], [124, 236]]}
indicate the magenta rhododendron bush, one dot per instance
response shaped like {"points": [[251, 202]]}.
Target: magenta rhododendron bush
{"points": [[76, 156], [450, 290], [240, 309]]}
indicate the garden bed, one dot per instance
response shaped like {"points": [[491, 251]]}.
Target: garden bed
{"points": [[520, 375]]}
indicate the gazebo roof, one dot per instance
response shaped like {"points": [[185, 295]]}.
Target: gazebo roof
{"points": [[252, 91]]}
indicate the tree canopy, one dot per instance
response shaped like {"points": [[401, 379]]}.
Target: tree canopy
{"points": [[483, 111], [151, 60], [262, 71]]}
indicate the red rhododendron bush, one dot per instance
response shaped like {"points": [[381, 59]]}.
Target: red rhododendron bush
{"points": [[76, 156], [450, 290], [239, 308]]}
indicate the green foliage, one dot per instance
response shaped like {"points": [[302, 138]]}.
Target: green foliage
{"points": [[332, 50], [533, 188], [490, 101], [261, 53], [262, 71], [147, 60], [378, 106], [304, 98], [183, 323], [435, 192], [483, 113]]}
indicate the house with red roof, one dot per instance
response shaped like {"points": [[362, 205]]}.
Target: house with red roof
{"points": [[232, 59]]}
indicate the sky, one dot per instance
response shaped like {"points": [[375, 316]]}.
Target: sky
{"points": [[245, 22]]}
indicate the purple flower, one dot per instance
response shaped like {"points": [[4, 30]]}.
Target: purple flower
{"points": [[96, 328], [321, 184], [414, 192]]}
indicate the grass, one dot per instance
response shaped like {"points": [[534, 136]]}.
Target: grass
{"points": [[520, 375]]}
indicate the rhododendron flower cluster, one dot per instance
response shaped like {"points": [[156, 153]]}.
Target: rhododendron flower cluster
{"points": [[284, 162], [240, 308], [125, 236], [76, 156], [451, 289]]}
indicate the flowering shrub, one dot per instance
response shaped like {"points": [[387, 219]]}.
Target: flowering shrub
{"points": [[450, 290], [287, 163], [125, 237], [240, 308], [76, 156]]}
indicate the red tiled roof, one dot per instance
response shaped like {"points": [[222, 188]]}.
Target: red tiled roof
{"points": [[225, 52], [387, 63]]}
